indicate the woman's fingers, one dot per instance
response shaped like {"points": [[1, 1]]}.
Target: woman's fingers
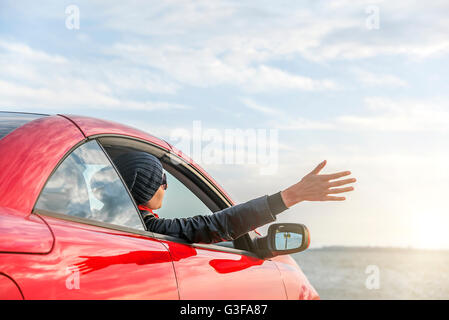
{"points": [[334, 198], [341, 182], [340, 190], [318, 168], [337, 175]]}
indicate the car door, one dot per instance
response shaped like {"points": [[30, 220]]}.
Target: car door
{"points": [[217, 271], [211, 272], [9, 289], [101, 249]]}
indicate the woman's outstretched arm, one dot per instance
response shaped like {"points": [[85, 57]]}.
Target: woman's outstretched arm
{"points": [[233, 222]]}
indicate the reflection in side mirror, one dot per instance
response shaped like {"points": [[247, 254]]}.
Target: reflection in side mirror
{"points": [[283, 238]]}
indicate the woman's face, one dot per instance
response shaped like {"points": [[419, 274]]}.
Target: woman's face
{"points": [[156, 201]]}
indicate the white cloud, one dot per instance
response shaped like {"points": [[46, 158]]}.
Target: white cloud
{"points": [[35, 79], [259, 108], [382, 114], [163, 17], [211, 43], [400, 115], [299, 123], [235, 44], [79, 94], [23, 51], [203, 68], [266, 78], [352, 50], [377, 79], [237, 34]]}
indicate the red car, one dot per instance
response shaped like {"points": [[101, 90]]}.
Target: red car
{"points": [[69, 228]]}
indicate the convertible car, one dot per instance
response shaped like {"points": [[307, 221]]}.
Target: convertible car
{"points": [[69, 228]]}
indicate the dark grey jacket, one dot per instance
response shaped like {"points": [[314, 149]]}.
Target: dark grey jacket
{"points": [[227, 224]]}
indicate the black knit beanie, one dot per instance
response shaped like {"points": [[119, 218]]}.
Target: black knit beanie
{"points": [[142, 173]]}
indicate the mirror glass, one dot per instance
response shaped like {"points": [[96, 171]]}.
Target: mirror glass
{"points": [[287, 240]]}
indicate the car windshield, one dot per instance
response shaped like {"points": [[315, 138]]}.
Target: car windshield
{"points": [[9, 121]]}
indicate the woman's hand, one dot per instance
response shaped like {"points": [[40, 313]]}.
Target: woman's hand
{"points": [[316, 187]]}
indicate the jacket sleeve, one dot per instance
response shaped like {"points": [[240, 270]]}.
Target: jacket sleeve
{"points": [[227, 224]]}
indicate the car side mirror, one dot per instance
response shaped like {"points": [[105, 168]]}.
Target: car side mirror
{"points": [[283, 238]]}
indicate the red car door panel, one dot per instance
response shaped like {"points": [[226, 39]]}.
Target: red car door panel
{"points": [[8, 289], [92, 262], [211, 274]]}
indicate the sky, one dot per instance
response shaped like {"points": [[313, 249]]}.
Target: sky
{"points": [[361, 84]]}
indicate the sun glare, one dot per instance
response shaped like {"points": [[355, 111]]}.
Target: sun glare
{"points": [[430, 231]]}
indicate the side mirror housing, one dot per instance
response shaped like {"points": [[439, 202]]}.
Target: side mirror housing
{"points": [[283, 238]]}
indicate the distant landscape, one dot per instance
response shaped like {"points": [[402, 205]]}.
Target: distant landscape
{"points": [[343, 272]]}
